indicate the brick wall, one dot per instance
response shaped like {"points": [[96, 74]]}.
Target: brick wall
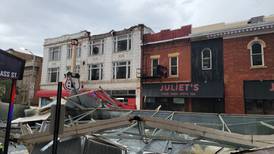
{"points": [[168, 34], [163, 49], [237, 67], [182, 47]]}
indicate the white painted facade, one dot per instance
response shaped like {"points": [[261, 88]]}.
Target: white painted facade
{"points": [[107, 58]]}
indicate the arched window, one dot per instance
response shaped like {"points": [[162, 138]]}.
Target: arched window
{"points": [[206, 56], [256, 48]]}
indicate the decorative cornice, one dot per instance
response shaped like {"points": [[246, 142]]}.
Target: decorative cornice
{"points": [[262, 27]]}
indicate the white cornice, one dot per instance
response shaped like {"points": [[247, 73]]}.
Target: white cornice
{"points": [[237, 32]]}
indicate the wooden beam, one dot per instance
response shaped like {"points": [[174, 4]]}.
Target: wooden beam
{"points": [[185, 128], [209, 133], [77, 130]]}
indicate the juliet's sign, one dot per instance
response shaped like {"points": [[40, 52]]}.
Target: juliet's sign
{"points": [[202, 90]]}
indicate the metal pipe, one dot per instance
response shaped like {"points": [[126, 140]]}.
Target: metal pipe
{"points": [[9, 117], [57, 118]]}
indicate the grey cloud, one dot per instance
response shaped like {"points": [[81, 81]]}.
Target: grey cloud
{"points": [[26, 23]]}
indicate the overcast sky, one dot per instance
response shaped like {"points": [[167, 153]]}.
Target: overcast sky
{"points": [[26, 23]]}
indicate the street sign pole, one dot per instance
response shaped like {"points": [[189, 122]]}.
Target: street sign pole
{"points": [[57, 118], [9, 118]]}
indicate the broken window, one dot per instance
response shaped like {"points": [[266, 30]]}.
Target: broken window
{"points": [[97, 47]]}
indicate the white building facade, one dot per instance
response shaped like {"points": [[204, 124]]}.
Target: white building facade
{"points": [[110, 61]]}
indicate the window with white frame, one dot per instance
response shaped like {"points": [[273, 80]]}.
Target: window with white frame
{"points": [[54, 53], [121, 70], [173, 66], [256, 47], [53, 74], [154, 65], [257, 54], [79, 48], [69, 51], [97, 47], [206, 59], [95, 71], [122, 43]]}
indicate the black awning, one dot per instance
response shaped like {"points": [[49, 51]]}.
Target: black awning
{"points": [[212, 89], [259, 89]]}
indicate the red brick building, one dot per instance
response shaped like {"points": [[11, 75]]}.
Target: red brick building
{"points": [[239, 69], [217, 68], [248, 63], [166, 59]]}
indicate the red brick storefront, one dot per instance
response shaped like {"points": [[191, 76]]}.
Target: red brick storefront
{"points": [[162, 46], [237, 68]]}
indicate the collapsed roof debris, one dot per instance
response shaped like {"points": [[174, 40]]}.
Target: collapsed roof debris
{"points": [[145, 131]]}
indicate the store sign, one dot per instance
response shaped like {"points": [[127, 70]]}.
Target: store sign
{"points": [[257, 89], [11, 67], [200, 90], [72, 81]]}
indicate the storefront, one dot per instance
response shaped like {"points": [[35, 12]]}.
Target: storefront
{"points": [[259, 96], [182, 96], [127, 97]]}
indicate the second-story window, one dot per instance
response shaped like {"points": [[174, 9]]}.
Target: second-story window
{"points": [[54, 53], [173, 66], [69, 51], [53, 74], [122, 43], [206, 58], [154, 65], [257, 55], [97, 48], [79, 48], [121, 70], [95, 72], [256, 48]]}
